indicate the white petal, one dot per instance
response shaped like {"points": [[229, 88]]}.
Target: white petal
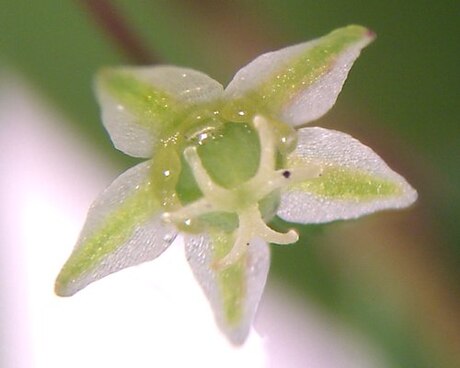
{"points": [[355, 180], [123, 229], [201, 256], [300, 83], [139, 103]]}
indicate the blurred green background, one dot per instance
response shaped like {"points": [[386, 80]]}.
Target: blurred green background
{"points": [[393, 276]]}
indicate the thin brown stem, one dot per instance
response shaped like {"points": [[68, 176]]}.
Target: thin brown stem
{"points": [[106, 15]]}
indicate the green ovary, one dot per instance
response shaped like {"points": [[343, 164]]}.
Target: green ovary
{"points": [[231, 156], [349, 184]]}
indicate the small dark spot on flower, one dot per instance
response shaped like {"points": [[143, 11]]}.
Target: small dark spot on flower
{"points": [[286, 174], [247, 244]]}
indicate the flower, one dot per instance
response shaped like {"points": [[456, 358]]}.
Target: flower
{"points": [[223, 163]]}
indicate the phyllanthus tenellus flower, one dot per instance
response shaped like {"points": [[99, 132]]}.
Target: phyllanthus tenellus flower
{"points": [[222, 163]]}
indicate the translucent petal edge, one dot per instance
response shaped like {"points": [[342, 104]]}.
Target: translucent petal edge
{"points": [[355, 181], [123, 228], [234, 304]]}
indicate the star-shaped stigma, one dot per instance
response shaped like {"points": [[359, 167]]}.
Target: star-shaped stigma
{"points": [[244, 199]]}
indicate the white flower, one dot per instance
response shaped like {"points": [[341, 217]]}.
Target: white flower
{"points": [[223, 163]]}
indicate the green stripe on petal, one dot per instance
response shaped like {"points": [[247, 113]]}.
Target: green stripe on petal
{"points": [[309, 66], [231, 280], [123, 229], [354, 180], [149, 104], [341, 183], [144, 105], [234, 292], [299, 83]]}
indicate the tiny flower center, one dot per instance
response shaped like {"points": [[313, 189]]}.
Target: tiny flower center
{"points": [[243, 199]]}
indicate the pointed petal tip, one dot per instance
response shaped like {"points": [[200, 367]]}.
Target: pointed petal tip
{"points": [[359, 35], [237, 332], [359, 31], [61, 289], [408, 195], [412, 196], [371, 35], [237, 338], [64, 286], [102, 73]]}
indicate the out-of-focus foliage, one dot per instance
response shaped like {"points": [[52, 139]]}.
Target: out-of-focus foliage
{"points": [[393, 276]]}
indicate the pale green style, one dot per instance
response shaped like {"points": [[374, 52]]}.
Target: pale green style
{"points": [[222, 163]]}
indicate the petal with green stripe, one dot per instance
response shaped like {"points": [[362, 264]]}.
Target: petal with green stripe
{"points": [[123, 229], [299, 83], [354, 180], [234, 292], [142, 105]]}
